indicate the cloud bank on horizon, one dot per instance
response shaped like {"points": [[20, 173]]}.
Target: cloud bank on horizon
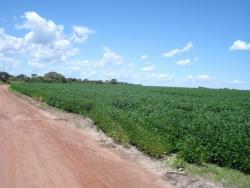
{"points": [[46, 46]]}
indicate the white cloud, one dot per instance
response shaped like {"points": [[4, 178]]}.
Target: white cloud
{"points": [[110, 57], [144, 56], [75, 68], [81, 34], [8, 43], [111, 74], [204, 77], [200, 77], [41, 31], [44, 42], [165, 76], [240, 45], [148, 68], [37, 65], [88, 74], [184, 62], [110, 60], [8, 64], [177, 51], [131, 64], [189, 77], [236, 82], [197, 59], [152, 78], [110, 65]]}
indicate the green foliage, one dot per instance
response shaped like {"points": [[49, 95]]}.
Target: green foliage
{"points": [[4, 76], [226, 177], [54, 77], [200, 125]]}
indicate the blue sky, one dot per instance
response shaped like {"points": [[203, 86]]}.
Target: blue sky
{"points": [[186, 43]]}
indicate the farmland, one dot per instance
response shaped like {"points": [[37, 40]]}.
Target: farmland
{"points": [[200, 125]]}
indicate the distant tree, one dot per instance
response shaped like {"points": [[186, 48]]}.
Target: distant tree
{"points": [[22, 77], [39, 79], [54, 77], [99, 82], [70, 79], [202, 87], [85, 81], [4, 76], [12, 78], [33, 76], [113, 81]]}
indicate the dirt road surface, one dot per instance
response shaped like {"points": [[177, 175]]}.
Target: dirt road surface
{"points": [[39, 152]]}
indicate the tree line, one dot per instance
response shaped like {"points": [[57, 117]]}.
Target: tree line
{"points": [[51, 77]]}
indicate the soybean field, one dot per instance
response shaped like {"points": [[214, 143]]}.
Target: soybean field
{"points": [[200, 125]]}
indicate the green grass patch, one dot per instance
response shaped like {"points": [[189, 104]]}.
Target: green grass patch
{"points": [[225, 176]]}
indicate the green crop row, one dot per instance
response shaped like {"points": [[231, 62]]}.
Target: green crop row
{"points": [[200, 125]]}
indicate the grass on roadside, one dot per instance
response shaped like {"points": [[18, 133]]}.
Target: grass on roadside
{"points": [[227, 177]]}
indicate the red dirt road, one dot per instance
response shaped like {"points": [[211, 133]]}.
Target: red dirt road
{"points": [[39, 152]]}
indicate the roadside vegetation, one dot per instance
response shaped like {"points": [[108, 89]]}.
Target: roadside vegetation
{"points": [[201, 126], [225, 176]]}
